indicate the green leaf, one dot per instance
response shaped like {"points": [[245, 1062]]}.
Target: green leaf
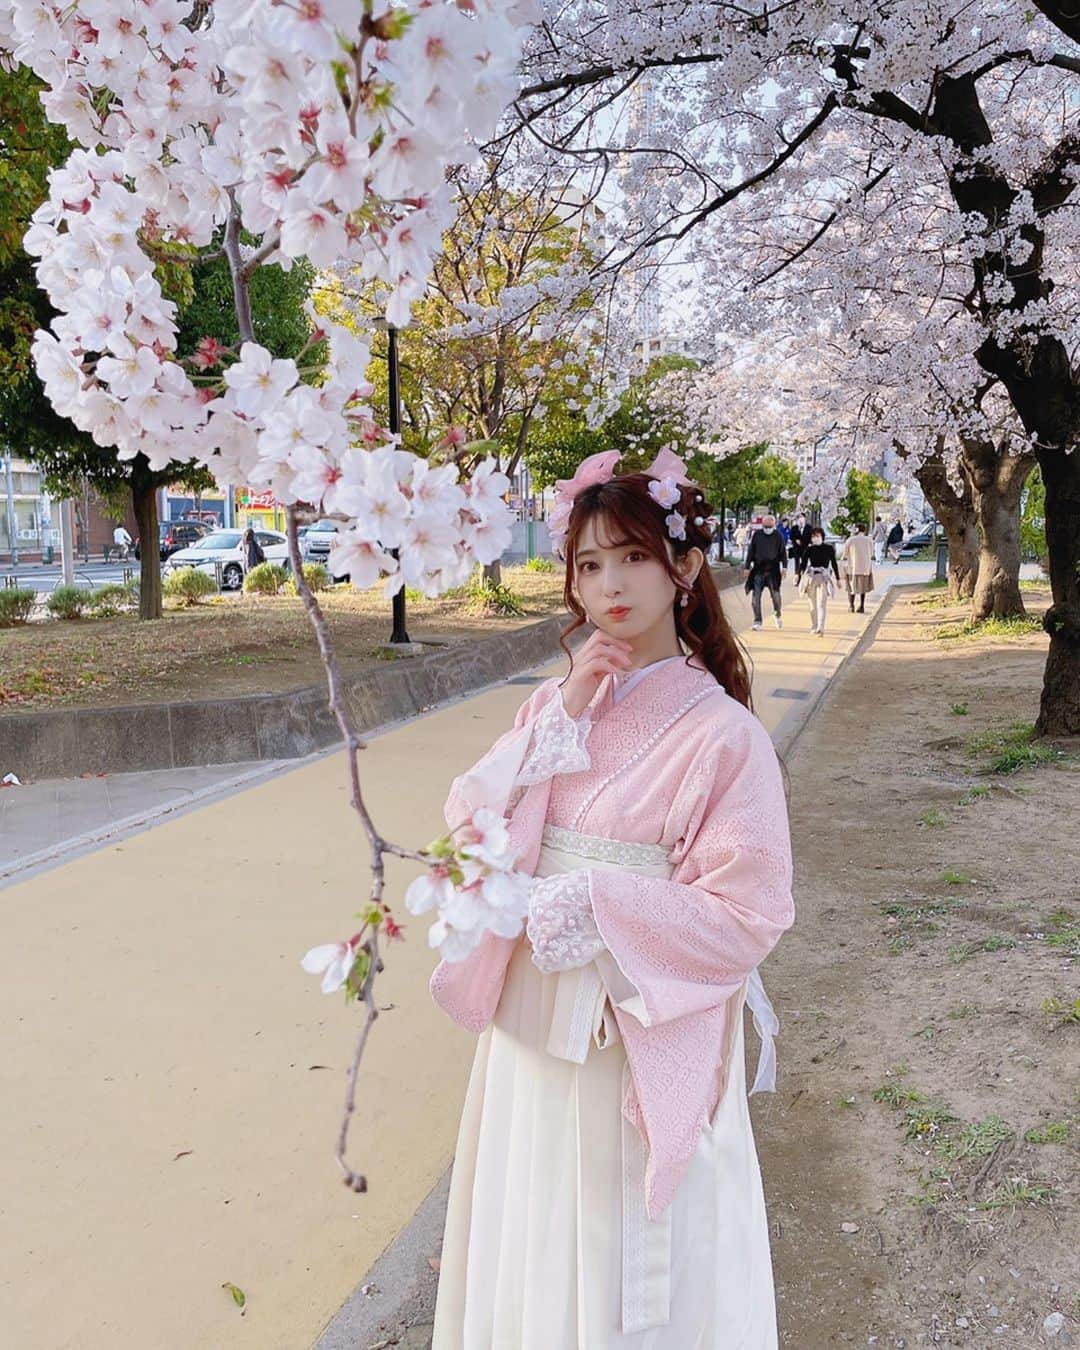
{"points": [[238, 1295]]}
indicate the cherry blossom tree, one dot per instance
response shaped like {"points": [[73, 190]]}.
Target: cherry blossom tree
{"points": [[832, 159], [269, 133]]}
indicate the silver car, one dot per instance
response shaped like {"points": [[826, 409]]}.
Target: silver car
{"points": [[223, 546]]}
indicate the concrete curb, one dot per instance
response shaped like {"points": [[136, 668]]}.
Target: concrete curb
{"points": [[398, 1309], [65, 744], [794, 724]]}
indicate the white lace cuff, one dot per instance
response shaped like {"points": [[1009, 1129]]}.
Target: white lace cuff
{"points": [[561, 927], [557, 745]]}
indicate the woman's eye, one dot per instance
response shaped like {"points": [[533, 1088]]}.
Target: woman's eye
{"points": [[636, 556], [587, 567]]}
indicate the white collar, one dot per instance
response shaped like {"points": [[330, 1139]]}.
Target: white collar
{"points": [[624, 683]]}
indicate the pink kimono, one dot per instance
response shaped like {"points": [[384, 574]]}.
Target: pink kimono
{"points": [[674, 770]]}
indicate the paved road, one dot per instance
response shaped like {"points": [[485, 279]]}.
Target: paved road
{"points": [[44, 579], [174, 1081]]}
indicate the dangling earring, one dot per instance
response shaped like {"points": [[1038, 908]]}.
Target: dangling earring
{"points": [[685, 600]]}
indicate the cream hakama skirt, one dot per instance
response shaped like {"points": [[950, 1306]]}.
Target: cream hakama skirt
{"points": [[547, 1244]]}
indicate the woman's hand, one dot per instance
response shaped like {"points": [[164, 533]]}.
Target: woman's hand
{"points": [[599, 656]]}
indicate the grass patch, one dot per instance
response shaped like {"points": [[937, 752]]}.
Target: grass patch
{"points": [[1017, 1192], [956, 876], [933, 819], [1012, 747], [973, 795], [958, 709], [1054, 1132], [977, 1140], [926, 1119], [1066, 937], [961, 1011], [845, 1103], [968, 630], [964, 951], [1053, 1007], [898, 944]]}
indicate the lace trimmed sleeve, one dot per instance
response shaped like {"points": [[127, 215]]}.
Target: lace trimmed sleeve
{"points": [[557, 745], [561, 927]]}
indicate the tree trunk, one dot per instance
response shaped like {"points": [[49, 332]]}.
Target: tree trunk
{"points": [[997, 479], [956, 512], [144, 503], [1059, 710]]}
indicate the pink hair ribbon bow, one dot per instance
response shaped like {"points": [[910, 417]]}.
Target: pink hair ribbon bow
{"points": [[667, 464], [596, 469]]}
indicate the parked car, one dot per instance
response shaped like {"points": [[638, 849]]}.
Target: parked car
{"points": [[921, 539], [223, 546], [176, 534], [315, 545]]}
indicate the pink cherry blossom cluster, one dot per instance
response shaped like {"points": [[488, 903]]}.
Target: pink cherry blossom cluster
{"points": [[323, 131]]}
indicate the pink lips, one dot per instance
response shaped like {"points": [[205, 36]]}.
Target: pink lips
{"points": [[619, 612]]}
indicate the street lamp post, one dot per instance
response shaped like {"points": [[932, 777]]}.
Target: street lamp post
{"points": [[394, 397]]}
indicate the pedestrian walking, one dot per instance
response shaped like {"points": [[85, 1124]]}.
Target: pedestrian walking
{"points": [[800, 539], [122, 542], [251, 550], [820, 575], [716, 543], [858, 558], [893, 541], [605, 1189], [878, 535], [742, 535], [766, 559]]}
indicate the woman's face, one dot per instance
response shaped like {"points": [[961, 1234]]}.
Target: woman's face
{"points": [[625, 591]]}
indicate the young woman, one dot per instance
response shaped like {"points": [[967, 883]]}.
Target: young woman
{"points": [[606, 1192], [819, 569]]}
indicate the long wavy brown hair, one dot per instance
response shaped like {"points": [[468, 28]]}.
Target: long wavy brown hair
{"points": [[631, 516]]}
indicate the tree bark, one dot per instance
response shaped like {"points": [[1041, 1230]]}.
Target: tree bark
{"points": [[1059, 709], [956, 512], [144, 503], [997, 480]]}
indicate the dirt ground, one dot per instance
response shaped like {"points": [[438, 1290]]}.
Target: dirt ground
{"points": [[231, 646], [922, 1154]]}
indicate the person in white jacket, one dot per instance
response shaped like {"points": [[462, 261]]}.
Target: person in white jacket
{"points": [[878, 536], [858, 562]]}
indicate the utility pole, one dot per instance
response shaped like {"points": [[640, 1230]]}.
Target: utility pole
{"points": [[12, 524], [67, 542]]}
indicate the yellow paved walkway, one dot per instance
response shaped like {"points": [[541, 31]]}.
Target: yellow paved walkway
{"points": [[172, 1080]]}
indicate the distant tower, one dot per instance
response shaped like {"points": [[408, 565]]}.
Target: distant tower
{"points": [[646, 269]]}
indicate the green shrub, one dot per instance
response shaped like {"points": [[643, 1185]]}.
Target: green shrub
{"points": [[68, 602], [16, 606], [189, 585], [539, 565], [486, 598], [265, 579], [315, 574], [113, 599]]}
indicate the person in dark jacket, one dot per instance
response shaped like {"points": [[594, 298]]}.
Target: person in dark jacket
{"points": [[766, 559], [800, 540], [894, 540], [251, 550]]}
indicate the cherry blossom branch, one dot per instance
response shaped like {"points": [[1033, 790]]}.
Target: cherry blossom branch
{"points": [[379, 846]]}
